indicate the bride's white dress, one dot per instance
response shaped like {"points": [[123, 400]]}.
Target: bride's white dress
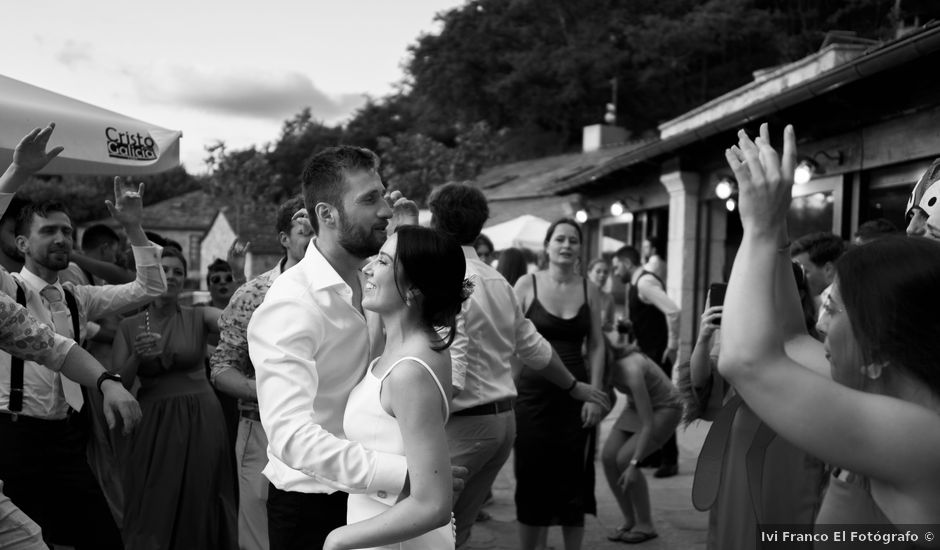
{"points": [[366, 422]]}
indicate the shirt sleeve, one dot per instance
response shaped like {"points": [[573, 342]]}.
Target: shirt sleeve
{"points": [[232, 351], [22, 336], [652, 293], [458, 351], [100, 301], [283, 337]]}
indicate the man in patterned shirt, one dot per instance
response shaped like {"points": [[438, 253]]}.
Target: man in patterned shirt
{"points": [[26, 338], [233, 374]]}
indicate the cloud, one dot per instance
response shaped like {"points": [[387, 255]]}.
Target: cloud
{"points": [[74, 53], [246, 94]]}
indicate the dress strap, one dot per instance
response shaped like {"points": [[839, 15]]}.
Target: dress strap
{"points": [[535, 289], [444, 397]]}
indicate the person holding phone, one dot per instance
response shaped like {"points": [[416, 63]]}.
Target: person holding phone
{"points": [[746, 475]]}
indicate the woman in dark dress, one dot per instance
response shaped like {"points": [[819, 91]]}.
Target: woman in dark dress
{"points": [[554, 448], [177, 475]]}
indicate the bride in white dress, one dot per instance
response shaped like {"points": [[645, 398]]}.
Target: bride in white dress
{"points": [[416, 283]]}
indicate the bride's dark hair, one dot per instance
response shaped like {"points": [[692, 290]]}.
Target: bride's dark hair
{"points": [[432, 263]]}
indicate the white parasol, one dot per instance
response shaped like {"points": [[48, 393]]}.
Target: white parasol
{"points": [[97, 141]]}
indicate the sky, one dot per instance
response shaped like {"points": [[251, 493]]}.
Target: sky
{"points": [[217, 70]]}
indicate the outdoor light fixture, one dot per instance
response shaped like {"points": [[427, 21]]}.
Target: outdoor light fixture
{"points": [[725, 187], [618, 208], [730, 204], [804, 171], [808, 167], [581, 215]]}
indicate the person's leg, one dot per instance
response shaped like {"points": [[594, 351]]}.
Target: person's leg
{"points": [[573, 536], [532, 537], [615, 441], [664, 424], [481, 444], [17, 531], [301, 521], [251, 454], [81, 516]]}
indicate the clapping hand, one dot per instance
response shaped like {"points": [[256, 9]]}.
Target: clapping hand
{"points": [[765, 179], [128, 205]]}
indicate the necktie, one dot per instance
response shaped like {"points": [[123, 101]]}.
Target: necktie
{"points": [[63, 325]]}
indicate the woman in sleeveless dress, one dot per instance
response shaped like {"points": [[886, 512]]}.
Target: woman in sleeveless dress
{"points": [[555, 434], [177, 475], [878, 419], [651, 417], [416, 283]]}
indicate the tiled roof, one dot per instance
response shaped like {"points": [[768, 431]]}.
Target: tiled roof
{"points": [[543, 176], [256, 225], [193, 210]]}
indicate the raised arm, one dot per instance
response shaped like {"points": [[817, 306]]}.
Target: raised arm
{"points": [[417, 404], [29, 157], [824, 418]]}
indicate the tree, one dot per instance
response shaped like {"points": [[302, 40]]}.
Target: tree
{"points": [[415, 163]]}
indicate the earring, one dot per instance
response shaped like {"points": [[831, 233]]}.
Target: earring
{"points": [[408, 296], [874, 370]]}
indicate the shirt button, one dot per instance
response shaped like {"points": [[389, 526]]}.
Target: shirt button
{"points": [[382, 494]]}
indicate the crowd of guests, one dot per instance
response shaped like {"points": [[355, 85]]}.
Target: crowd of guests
{"points": [[366, 391]]}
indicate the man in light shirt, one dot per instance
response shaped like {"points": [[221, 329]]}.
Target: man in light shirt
{"points": [[310, 342], [234, 375], [655, 320], [491, 329]]}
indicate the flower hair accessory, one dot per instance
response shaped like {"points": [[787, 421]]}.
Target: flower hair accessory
{"points": [[467, 289]]}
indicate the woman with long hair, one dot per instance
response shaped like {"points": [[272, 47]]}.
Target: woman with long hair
{"points": [[177, 472], [877, 421], [554, 448], [746, 473], [416, 284]]}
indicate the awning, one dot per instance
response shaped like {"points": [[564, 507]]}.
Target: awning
{"points": [[97, 141]]}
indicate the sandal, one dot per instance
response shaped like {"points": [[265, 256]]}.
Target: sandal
{"points": [[636, 537], [619, 532]]}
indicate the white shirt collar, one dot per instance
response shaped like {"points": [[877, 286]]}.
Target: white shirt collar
{"points": [[320, 272], [36, 282]]}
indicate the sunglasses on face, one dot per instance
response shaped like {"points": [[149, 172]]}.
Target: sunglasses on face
{"points": [[221, 279]]}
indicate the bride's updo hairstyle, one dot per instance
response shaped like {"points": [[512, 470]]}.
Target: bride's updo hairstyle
{"points": [[433, 266]]}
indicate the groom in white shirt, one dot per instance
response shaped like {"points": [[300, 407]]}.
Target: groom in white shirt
{"points": [[311, 341]]}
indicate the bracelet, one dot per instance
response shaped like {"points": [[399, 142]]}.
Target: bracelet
{"points": [[634, 462], [572, 386]]}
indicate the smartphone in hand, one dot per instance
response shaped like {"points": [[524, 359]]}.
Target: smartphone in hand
{"points": [[716, 296]]}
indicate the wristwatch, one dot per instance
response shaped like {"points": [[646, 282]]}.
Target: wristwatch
{"points": [[107, 376]]}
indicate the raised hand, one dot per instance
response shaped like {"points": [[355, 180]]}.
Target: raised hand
{"points": [[404, 211], [765, 179], [30, 154], [236, 258], [302, 218], [128, 205]]}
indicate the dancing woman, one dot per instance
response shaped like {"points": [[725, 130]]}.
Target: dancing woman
{"points": [[416, 284]]}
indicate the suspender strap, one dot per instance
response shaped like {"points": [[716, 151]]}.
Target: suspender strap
{"points": [[73, 311], [16, 366]]}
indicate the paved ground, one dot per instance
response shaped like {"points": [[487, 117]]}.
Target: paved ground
{"points": [[679, 525]]}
